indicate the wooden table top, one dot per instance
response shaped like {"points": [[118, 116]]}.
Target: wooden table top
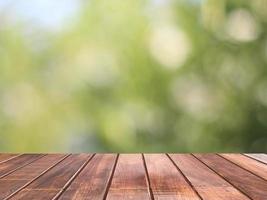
{"points": [[133, 176]]}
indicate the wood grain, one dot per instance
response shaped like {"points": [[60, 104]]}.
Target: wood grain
{"points": [[166, 181], [16, 163], [6, 157], [36, 194], [248, 183], [133, 176], [207, 183], [35, 168], [54, 180], [129, 180], [260, 157], [16, 180], [93, 180], [251, 165]]}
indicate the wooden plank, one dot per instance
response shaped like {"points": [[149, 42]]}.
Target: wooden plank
{"points": [[18, 179], [36, 194], [60, 174], [7, 156], [93, 180], [50, 183], [35, 168], [248, 183], [249, 164], [260, 157], [208, 184], [17, 163], [179, 176], [129, 180], [165, 179]]}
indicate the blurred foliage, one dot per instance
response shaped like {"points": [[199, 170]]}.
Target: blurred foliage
{"points": [[137, 75]]}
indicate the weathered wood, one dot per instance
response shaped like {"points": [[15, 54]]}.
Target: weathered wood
{"points": [[6, 157], [260, 157], [18, 179], [35, 168], [166, 181], [208, 184], [92, 182], [133, 176], [36, 194], [54, 180], [16, 163], [129, 180], [249, 164], [245, 181]]}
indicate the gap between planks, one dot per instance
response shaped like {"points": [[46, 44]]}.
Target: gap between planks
{"points": [[238, 165], [35, 178], [255, 158], [223, 177], [73, 177], [8, 159], [147, 178], [24, 165], [108, 185], [186, 179], [110, 178]]}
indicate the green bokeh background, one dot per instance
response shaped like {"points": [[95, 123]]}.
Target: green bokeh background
{"points": [[136, 75]]}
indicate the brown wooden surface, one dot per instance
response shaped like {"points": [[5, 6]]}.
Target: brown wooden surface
{"points": [[259, 157], [250, 184], [207, 183], [6, 157], [129, 179], [133, 176], [92, 182], [166, 181]]}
